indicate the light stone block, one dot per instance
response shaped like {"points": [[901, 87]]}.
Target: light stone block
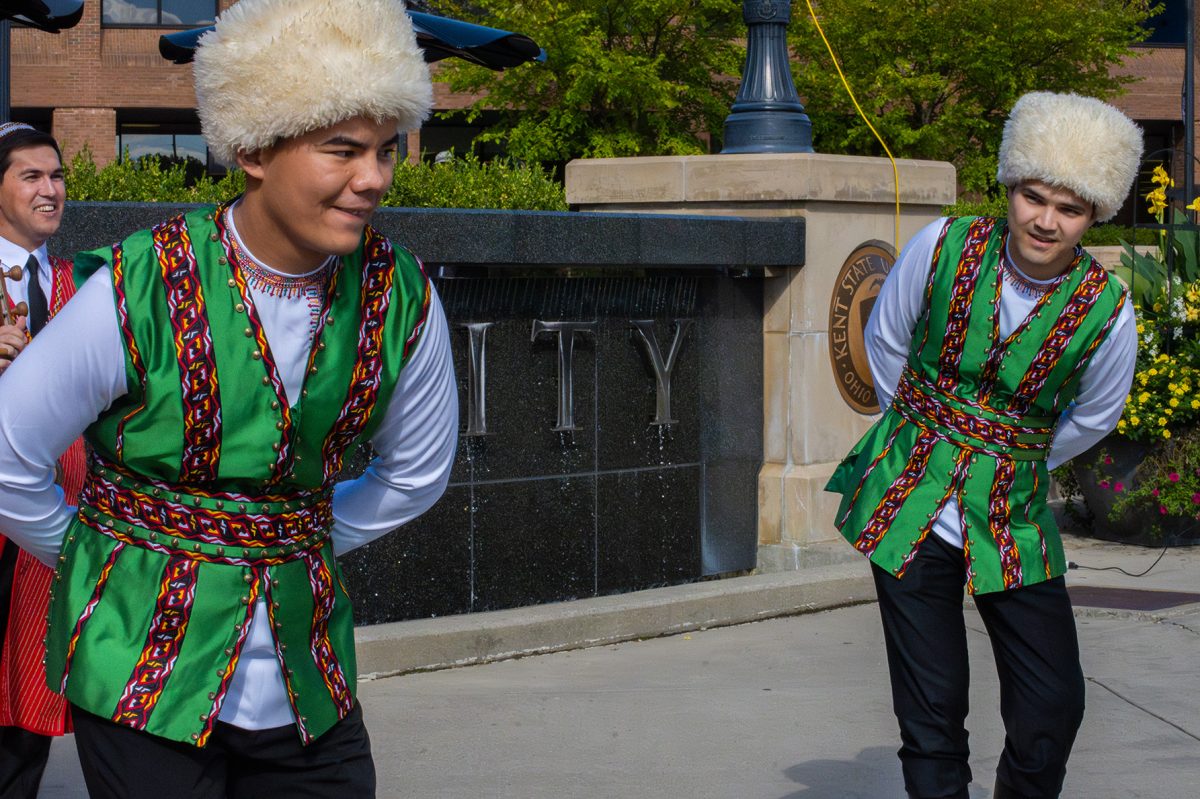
{"points": [[777, 389], [808, 509], [823, 426], [770, 503], [625, 180], [777, 301]]}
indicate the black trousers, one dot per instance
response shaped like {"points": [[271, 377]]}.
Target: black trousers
{"points": [[121, 763], [1032, 631]]}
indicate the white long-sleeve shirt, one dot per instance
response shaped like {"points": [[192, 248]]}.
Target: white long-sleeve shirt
{"points": [[1102, 388], [75, 369]]}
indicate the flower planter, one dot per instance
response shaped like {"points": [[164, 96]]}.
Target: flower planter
{"points": [[1099, 482]]}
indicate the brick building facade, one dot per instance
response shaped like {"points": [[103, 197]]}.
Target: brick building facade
{"points": [[103, 84]]}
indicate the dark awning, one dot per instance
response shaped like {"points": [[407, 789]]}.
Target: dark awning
{"points": [[51, 16], [439, 37]]}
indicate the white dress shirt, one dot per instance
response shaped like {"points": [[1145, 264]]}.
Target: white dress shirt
{"points": [[75, 369], [13, 255], [1102, 388]]}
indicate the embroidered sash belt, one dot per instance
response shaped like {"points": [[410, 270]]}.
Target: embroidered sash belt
{"points": [[214, 527], [971, 425]]}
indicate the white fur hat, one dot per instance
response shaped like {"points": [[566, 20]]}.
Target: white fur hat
{"points": [[1073, 142], [276, 69]]}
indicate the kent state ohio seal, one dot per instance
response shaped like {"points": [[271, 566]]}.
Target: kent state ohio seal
{"points": [[854, 293]]}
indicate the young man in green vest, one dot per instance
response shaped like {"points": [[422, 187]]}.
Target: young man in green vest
{"points": [[224, 364], [999, 350]]}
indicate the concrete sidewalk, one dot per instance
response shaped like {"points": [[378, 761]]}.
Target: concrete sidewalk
{"points": [[796, 705]]}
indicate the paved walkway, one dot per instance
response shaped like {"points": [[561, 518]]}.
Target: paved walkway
{"points": [[789, 707]]}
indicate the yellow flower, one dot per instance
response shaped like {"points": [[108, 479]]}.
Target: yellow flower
{"points": [[1153, 372], [1160, 177], [1135, 421], [1157, 200], [1195, 405], [1174, 403], [1162, 421], [1194, 205], [1166, 433], [1144, 396]]}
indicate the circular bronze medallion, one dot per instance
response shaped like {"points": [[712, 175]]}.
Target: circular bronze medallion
{"points": [[854, 295]]}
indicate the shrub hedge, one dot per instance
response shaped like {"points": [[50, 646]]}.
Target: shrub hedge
{"points": [[463, 182]]}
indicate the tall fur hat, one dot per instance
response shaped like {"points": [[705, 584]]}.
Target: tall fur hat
{"points": [[1072, 142], [276, 69]]}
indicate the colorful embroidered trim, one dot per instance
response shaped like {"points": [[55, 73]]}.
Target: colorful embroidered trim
{"points": [[961, 464], [999, 522], [1068, 323], [897, 493], [970, 430], [135, 355], [959, 310], [193, 349], [230, 529], [284, 454], [258, 579], [321, 580], [168, 627], [301, 722], [377, 278], [88, 610]]}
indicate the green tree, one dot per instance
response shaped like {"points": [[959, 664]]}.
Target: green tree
{"points": [[621, 77], [937, 77]]}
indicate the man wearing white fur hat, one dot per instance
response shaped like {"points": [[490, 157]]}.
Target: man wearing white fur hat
{"points": [[999, 349], [224, 363]]}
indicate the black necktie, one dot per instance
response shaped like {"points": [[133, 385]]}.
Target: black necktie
{"points": [[37, 298]]}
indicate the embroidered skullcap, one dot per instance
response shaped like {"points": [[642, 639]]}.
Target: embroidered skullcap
{"points": [[276, 69], [12, 127], [1072, 142]]}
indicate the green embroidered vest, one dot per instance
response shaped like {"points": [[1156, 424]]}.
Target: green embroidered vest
{"points": [[208, 490], [974, 414]]}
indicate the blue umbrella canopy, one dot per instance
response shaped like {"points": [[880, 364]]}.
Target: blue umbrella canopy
{"points": [[51, 16], [439, 37]]}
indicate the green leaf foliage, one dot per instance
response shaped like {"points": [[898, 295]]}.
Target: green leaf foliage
{"points": [[461, 183], [622, 77], [937, 77], [468, 182]]}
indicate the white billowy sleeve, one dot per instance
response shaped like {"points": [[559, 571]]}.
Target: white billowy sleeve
{"points": [[1102, 392], [890, 329], [415, 445], [56, 387]]}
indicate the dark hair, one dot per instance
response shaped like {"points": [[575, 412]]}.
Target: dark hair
{"points": [[19, 140]]}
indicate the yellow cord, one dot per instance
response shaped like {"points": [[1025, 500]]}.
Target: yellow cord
{"points": [[849, 91]]}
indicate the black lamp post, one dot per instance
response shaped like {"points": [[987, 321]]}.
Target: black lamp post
{"points": [[767, 115]]}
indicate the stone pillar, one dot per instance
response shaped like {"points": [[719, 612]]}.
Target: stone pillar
{"points": [[94, 127], [846, 202]]}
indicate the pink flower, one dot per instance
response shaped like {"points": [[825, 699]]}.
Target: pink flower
{"points": [[1196, 498], [1118, 487], [1173, 477], [1108, 460], [1104, 484], [1154, 492], [1162, 509]]}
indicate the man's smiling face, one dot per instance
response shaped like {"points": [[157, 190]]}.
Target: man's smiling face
{"points": [[32, 194]]}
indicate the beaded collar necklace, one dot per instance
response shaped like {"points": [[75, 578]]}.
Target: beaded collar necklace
{"points": [[312, 286], [1027, 285], [270, 282]]}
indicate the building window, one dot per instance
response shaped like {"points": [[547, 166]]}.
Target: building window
{"points": [[1169, 25], [158, 13], [136, 141]]}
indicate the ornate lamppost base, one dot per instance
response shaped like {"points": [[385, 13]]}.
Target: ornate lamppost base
{"points": [[768, 132]]}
